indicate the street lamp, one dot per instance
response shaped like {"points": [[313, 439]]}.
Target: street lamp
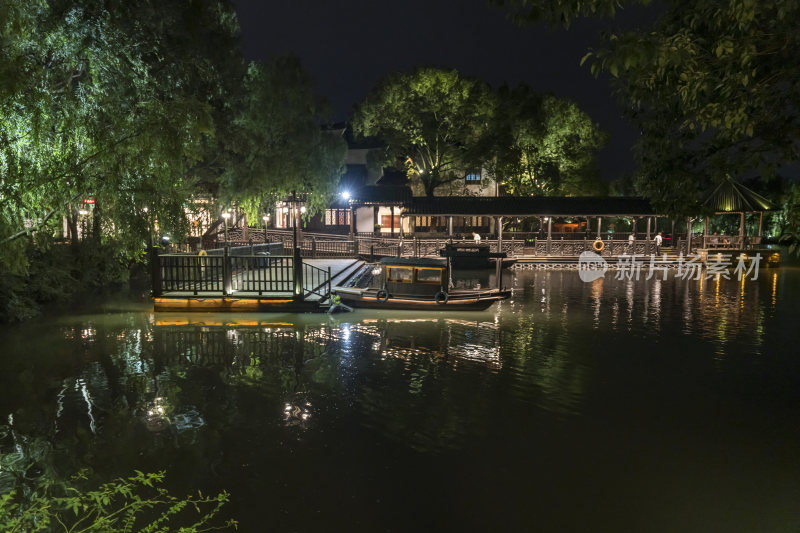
{"points": [[265, 218], [345, 195]]}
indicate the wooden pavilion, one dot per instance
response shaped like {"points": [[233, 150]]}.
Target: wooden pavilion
{"points": [[733, 198]]}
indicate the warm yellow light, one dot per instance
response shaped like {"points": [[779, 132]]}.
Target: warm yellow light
{"points": [[226, 215]]}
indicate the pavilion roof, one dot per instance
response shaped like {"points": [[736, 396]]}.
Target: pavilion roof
{"points": [[733, 197], [528, 206]]}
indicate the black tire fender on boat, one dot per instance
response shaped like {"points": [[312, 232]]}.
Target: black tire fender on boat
{"points": [[382, 296], [441, 297]]}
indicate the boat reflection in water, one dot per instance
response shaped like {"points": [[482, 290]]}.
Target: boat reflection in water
{"points": [[451, 340]]}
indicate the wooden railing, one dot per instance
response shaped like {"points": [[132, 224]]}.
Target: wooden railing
{"points": [[317, 281], [178, 275], [317, 248], [190, 273], [726, 241], [261, 274]]}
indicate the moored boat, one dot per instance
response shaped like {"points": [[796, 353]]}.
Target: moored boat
{"points": [[474, 256], [418, 284]]}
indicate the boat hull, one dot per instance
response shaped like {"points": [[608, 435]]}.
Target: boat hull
{"points": [[458, 301]]}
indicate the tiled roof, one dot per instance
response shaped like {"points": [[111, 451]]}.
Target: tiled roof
{"points": [[526, 206], [730, 196], [393, 178]]}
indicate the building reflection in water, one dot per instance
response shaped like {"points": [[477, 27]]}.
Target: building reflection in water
{"points": [[714, 308]]}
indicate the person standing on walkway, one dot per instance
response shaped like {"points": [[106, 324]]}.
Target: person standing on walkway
{"points": [[476, 238], [658, 241]]}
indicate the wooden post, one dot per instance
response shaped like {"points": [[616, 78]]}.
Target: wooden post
{"points": [[450, 226], [741, 228], [549, 233], [499, 234], [688, 235], [672, 234], [352, 222], [498, 273], [599, 224], [402, 234], [705, 234], [297, 268], [391, 217], [227, 273], [760, 223], [647, 246], [155, 271]]}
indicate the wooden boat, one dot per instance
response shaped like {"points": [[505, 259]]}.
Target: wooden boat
{"points": [[418, 284], [473, 256]]}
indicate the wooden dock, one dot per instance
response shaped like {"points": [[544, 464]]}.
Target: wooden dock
{"points": [[205, 283]]}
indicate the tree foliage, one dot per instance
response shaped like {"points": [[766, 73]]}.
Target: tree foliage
{"points": [[109, 100], [136, 503], [441, 126], [140, 106], [712, 85], [429, 119], [542, 145], [276, 145]]}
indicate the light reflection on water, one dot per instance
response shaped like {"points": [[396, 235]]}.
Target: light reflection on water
{"points": [[536, 387]]}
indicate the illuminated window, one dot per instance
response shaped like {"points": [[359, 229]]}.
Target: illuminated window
{"points": [[386, 221], [473, 177], [337, 217]]}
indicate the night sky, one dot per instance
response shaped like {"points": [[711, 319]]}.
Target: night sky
{"points": [[348, 45]]}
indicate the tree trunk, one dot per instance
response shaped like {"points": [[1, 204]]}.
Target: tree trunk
{"points": [[72, 224], [96, 226]]}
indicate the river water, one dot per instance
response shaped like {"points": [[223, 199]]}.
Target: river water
{"points": [[616, 405]]}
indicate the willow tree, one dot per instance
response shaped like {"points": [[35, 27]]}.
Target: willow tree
{"points": [[431, 120], [140, 106], [711, 84], [542, 145], [113, 101], [276, 144]]}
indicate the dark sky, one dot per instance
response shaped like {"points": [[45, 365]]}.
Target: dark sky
{"points": [[348, 45]]}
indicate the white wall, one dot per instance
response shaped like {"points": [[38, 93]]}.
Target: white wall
{"points": [[364, 221]]}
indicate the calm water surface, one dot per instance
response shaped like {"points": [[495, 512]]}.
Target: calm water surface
{"points": [[642, 406]]}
